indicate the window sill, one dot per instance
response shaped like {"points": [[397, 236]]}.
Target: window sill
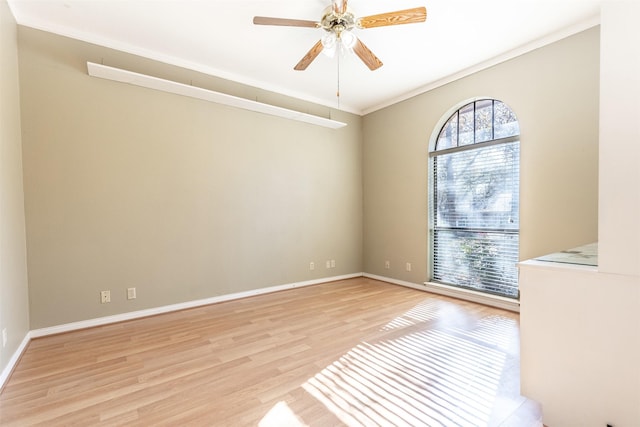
{"points": [[474, 296], [452, 291]]}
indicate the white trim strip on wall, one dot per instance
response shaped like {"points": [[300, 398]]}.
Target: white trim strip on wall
{"points": [[150, 82]]}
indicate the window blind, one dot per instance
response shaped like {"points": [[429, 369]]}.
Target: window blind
{"points": [[476, 217]]}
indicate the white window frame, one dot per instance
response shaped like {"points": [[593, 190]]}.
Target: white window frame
{"points": [[446, 289]]}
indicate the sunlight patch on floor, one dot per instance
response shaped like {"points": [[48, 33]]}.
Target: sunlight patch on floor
{"points": [[281, 415], [422, 312], [496, 330], [430, 378]]}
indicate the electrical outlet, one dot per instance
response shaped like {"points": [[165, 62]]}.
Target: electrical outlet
{"points": [[328, 264], [333, 263], [105, 297], [387, 265], [4, 337], [408, 266], [131, 293], [312, 265]]}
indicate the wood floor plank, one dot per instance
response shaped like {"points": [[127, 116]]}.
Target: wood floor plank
{"points": [[354, 352]]}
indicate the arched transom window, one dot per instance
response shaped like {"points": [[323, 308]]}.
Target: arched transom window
{"points": [[475, 167]]}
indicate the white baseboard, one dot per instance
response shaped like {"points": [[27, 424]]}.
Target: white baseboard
{"points": [[394, 281], [68, 327], [4, 375], [452, 291]]}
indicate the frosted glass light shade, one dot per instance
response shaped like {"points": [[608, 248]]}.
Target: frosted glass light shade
{"points": [[348, 39], [329, 40]]}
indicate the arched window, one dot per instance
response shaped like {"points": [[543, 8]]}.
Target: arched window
{"points": [[475, 171]]}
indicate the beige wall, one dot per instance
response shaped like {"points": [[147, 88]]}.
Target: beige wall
{"points": [[14, 303], [554, 92], [186, 200], [183, 199]]}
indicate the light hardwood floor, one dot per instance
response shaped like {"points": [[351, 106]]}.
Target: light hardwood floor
{"points": [[357, 352]]}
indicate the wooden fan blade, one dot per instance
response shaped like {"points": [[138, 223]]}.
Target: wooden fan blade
{"points": [[367, 56], [265, 20], [339, 6], [407, 16], [309, 57]]}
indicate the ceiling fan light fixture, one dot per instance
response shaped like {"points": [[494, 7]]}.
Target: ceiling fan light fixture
{"points": [[329, 42], [347, 39], [330, 53]]}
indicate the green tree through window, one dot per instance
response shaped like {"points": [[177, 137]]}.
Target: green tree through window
{"points": [[475, 195]]}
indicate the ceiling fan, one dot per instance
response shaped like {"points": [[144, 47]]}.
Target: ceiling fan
{"points": [[338, 20]]}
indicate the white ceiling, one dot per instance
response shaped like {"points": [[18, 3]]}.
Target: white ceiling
{"points": [[218, 37]]}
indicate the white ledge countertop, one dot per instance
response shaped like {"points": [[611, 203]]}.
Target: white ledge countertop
{"points": [[581, 255]]}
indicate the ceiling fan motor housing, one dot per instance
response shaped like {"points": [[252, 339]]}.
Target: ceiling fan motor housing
{"points": [[337, 22]]}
